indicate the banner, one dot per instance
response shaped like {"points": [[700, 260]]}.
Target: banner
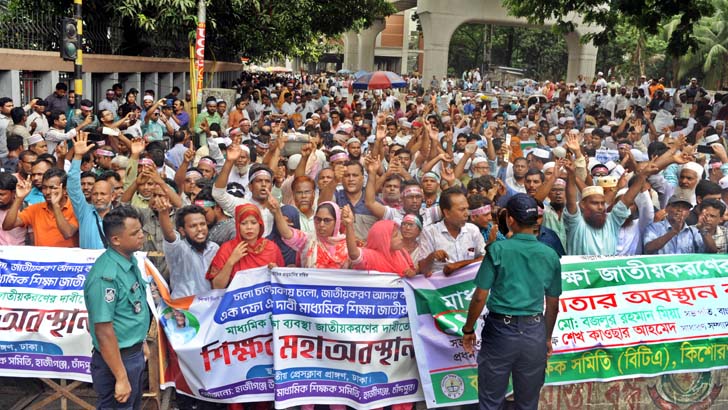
{"points": [[293, 336], [44, 329], [220, 343], [619, 318], [342, 337]]}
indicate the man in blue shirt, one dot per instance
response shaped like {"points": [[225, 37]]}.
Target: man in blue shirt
{"points": [[673, 235], [90, 216]]}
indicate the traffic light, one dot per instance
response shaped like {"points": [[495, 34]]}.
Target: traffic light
{"points": [[69, 39]]}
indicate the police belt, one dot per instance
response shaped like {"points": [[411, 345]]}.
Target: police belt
{"points": [[515, 318], [126, 351]]}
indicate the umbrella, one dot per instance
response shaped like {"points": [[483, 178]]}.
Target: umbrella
{"points": [[344, 71], [360, 73], [379, 80]]}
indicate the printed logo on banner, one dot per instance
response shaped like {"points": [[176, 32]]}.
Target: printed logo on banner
{"points": [[110, 295], [452, 386]]}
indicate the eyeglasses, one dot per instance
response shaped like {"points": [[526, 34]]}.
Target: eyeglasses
{"points": [[301, 193], [325, 221]]}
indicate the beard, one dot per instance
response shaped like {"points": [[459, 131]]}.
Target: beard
{"points": [[104, 208], [596, 220], [197, 246], [557, 207]]}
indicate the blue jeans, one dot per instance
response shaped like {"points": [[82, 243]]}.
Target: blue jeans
{"points": [[104, 381], [514, 346]]}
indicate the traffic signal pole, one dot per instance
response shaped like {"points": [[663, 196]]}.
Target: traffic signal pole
{"points": [[78, 63]]}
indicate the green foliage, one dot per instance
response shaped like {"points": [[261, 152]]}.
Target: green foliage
{"points": [[540, 52], [711, 55], [632, 53], [259, 29], [645, 15]]}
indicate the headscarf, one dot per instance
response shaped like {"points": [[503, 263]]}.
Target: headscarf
{"points": [[261, 253], [328, 252], [289, 254], [377, 254]]}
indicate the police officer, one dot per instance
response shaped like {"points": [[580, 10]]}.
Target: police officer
{"points": [[115, 298], [513, 278]]}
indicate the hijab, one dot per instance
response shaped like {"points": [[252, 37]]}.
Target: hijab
{"points": [[378, 254], [329, 252], [289, 254], [260, 253]]}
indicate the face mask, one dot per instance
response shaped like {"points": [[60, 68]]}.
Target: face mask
{"points": [[559, 137]]}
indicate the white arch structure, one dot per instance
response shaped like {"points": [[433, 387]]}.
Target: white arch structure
{"points": [[439, 20]]}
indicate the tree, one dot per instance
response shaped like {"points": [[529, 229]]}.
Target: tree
{"points": [[633, 53], [541, 53], [711, 55], [259, 29], [645, 15]]}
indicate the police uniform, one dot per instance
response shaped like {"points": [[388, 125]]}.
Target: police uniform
{"points": [[517, 272], [115, 292]]}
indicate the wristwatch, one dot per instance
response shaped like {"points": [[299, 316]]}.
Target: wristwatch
{"points": [[468, 332]]}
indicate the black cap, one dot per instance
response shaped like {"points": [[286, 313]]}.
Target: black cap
{"points": [[523, 209]]}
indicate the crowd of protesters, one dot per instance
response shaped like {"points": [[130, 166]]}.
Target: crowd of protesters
{"points": [[304, 171]]}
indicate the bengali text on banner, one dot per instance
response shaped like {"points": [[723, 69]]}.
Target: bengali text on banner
{"points": [[294, 337], [44, 329], [620, 317]]}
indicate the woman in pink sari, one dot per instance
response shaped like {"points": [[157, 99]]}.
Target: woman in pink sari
{"points": [[326, 248]]}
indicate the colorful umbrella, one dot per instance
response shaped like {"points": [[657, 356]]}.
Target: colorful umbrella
{"points": [[379, 80], [360, 73], [344, 71]]}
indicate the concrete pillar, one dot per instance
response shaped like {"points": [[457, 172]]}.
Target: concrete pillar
{"points": [[88, 87], [10, 84], [107, 82], [165, 83], [150, 81], [582, 58], [46, 84], [351, 51], [180, 80], [436, 31], [367, 44], [131, 80]]}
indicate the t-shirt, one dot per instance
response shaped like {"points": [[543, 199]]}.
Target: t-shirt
{"points": [[583, 239]]}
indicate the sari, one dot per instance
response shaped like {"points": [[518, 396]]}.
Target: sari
{"points": [[260, 253], [378, 256], [321, 252]]}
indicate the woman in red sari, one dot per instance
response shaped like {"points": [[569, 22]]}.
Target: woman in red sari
{"points": [[384, 251], [246, 251]]}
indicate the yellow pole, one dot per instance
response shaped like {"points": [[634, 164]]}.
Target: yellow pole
{"points": [[193, 87]]}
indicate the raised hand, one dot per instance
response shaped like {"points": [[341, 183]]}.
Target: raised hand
{"points": [[23, 187], [273, 204], [137, 146], [61, 149], [234, 151], [56, 197], [81, 145], [161, 204], [347, 216], [306, 150], [189, 154], [372, 164]]}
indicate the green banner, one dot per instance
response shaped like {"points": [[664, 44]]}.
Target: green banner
{"points": [[620, 317]]}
